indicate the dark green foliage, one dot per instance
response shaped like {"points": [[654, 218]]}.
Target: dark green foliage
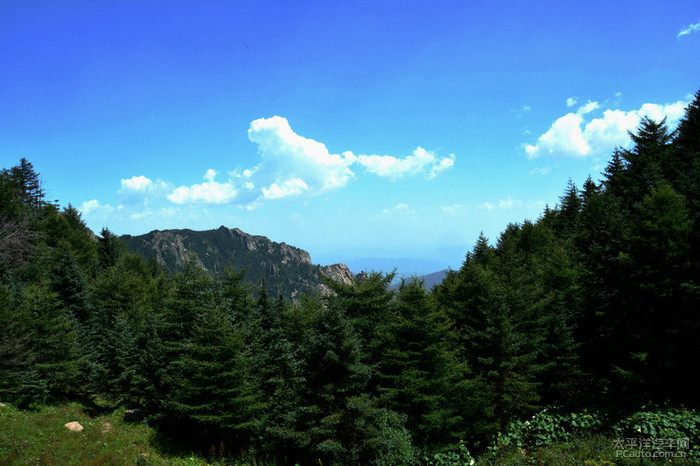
{"points": [[417, 372], [14, 346], [109, 249], [68, 283], [368, 303], [53, 339], [21, 193], [214, 387], [67, 232]]}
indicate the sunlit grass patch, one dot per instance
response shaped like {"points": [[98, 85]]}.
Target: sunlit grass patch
{"points": [[40, 437]]}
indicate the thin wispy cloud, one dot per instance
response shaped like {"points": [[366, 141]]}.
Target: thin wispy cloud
{"points": [[400, 210], [689, 29]]}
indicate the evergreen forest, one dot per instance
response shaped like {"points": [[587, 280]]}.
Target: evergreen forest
{"points": [[585, 321]]}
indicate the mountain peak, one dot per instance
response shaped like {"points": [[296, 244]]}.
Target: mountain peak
{"points": [[286, 269]]}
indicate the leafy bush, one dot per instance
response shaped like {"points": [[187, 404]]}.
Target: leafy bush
{"points": [[458, 457], [545, 428], [664, 425]]}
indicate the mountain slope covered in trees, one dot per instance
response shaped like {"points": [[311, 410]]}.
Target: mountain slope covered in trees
{"points": [[285, 269], [591, 313]]}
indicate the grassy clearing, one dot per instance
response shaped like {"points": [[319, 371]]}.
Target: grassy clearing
{"points": [[40, 438]]}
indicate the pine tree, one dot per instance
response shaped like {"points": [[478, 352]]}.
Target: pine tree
{"points": [[418, 372], [53, 341], [68, 282], [14, 346], [658, 270], [368, 304], [29, 191], [646, 161], [215, 388], [109, 249]]}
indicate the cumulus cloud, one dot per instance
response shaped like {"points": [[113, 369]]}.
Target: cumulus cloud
{"points": [[291, 187], [94, 206], [689, 29], [209, 192], [421, 161], [290, 160], [571, 101], [290, 165], [577, 135], [139, 188], [136, 183]]}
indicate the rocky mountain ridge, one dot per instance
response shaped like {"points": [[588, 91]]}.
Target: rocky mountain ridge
{"points": [[285, 269]]}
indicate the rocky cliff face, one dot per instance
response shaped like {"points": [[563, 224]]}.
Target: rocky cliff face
{"points": [[284, 268], [338, 272]]}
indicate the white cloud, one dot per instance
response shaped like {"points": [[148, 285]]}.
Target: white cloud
{"points": [[510, 203], [399, 210], [210, 175], [394, 168], [94, 206], [142, 184], [575, 135], [455, 209], [588, 108], [163, 213], [292, 187], [209, 192], [290, 160], [565, 136], [290, 165], [571, 101], [689, 29], [136, 183], [139, 189], [540, 170]]}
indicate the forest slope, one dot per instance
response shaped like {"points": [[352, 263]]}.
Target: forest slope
{"points": [[285, 269]]}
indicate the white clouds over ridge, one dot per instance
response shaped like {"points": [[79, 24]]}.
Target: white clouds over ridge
{"points": [[577, 135], [142, 185], [209, 192]]}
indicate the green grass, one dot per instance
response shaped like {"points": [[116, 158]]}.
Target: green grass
{"points": [[40, 438]]}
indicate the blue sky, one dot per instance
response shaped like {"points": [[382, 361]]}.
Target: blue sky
{"points": [[350, 129]]}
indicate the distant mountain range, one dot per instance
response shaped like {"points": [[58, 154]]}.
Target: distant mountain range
{"points": [[285, 269], [429, 280]]}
